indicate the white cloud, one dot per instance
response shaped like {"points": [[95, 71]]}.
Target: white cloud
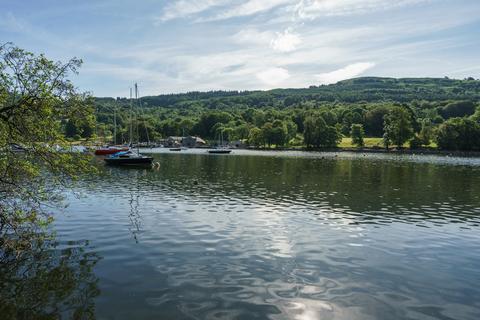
{"points": [[310, 9], [303, 9], [210, 65], [273, 76], [285, 41], [263, 49], [251, 7], [253, 36], [185, 8], [280, 41], [350, 71]]}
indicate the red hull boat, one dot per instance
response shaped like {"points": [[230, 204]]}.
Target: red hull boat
{"points": [[110, 150]]}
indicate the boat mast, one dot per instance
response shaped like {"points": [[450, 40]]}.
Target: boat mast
{"points": [[115, 125], [136, 104], [131, 119], [140, 111], [96, 125]]}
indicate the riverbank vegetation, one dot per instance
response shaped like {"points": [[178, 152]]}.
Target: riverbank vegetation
{"points": [[36, 99], [413, 113]]}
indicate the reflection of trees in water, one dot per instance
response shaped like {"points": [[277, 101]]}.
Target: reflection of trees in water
{"points": [[47, 282], [123, 181], [370, 188], [134, 214], [353, 180], [134, 189]]}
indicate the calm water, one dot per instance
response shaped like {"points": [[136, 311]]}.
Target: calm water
{"points": [[273, 236]]}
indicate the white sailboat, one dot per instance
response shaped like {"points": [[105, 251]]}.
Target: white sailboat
{"points": [[221, 149], [130, 157]]}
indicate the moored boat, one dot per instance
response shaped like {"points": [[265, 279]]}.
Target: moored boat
{"points": [[109, 150], [128, 158], [220, 151]]}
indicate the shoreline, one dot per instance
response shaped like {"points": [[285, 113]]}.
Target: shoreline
{"points": [[377, 150], [446, 153], [406, 151]]}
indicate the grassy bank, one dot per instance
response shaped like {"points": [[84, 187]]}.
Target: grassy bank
{"points": [[373, 143]]}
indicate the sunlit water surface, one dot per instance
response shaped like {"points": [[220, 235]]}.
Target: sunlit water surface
{"points": [[282, 235]]}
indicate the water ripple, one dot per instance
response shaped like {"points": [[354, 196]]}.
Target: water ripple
{"points": [[295, 237]]}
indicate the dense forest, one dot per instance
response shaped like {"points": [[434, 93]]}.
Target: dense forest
{"points": [[414, 112]]}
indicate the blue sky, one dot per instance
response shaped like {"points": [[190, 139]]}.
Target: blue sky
{"points": [[179, 45]]}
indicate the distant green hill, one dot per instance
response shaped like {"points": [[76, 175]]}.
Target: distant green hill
{"points": [[365, 89], [434, 109]]}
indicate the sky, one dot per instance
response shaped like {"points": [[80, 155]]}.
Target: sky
{"points": [[186, 45]]}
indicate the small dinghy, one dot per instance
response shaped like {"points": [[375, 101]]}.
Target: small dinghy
{"points": [[128, 158], [220, 151]]}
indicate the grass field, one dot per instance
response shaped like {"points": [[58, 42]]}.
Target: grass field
{"points": [[369, 143], [373, 142]]}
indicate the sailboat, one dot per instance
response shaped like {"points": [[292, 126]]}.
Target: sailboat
{"points": [[107, 150], [129, 158], [220, 149]]}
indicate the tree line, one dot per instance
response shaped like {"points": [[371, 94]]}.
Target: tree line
{"points": [[450, 124]]}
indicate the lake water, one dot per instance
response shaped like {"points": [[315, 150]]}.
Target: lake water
{"points": [[274, 235]]}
